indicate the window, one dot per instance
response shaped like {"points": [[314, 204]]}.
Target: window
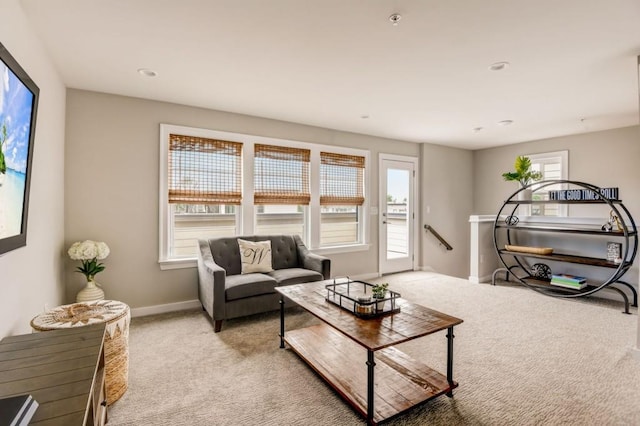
{"points": [[553, 166], [341, 198], [215, 183], [193, 221], [281, 189], [204, 191], [281, 219]]}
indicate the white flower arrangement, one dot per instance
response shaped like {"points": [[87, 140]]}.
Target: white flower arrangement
{"points": [[89, 252]]}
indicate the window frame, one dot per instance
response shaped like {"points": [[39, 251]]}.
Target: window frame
{"points": [[246, 212], [564, 172], [342, 197]]}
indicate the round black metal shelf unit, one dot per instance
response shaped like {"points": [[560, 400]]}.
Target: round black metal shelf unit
{"points": [[529, 269]]}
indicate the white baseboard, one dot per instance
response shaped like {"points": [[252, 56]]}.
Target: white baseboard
{"points": [[365, 276], [378, 275], [169, 307], [479, 280], [193, 304], [635, 352]]}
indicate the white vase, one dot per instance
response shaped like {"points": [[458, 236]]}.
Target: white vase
{"points": [[90, 292], [525, 195]]}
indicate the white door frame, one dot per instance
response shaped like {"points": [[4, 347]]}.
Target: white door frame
{"points": [[411, 215]]}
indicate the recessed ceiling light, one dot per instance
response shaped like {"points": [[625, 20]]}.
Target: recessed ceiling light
{"points": [[147, 72], [477, 129], [395, 18], [498, 66], [505, 122], [364, 116]]}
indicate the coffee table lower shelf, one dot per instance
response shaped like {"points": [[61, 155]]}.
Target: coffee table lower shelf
{"points": [[400, 381]]}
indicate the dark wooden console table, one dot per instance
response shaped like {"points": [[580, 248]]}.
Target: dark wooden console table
{"points": [[63, 370]]}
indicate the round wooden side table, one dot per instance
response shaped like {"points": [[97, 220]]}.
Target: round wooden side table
{"points": [[116, 316]]}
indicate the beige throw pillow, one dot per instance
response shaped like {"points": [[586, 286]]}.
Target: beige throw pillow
{"points": [[255, 256]]}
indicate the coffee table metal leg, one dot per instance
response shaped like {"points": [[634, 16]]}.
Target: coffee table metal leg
{"points": [[450, 337], [281, 321], [370, 386]]}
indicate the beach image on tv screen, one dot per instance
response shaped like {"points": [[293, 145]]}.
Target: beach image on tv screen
{"points": [[16, 103]]}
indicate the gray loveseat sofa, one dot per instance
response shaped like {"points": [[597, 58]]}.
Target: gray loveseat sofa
{"points": [[226, 293]]}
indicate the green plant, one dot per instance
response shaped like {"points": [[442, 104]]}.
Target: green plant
{"points": [[523, 173], [90, 268], [379, 290], [89, 252]]}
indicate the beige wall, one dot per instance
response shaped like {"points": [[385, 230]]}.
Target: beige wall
{"points": [[446, 204], [606, 159], [111, 181], [112, 187], [31, 277]]}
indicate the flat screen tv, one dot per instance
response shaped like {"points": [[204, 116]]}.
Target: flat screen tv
{"points": [[18, 105]]}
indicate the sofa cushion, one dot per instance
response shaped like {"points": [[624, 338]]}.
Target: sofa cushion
{"points": [[295, 276], [226, 254], [248, 285], [284, 251], [255, 256]]}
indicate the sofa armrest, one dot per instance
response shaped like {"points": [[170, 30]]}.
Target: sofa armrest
{"points": [[313, 261], [211, 282]]}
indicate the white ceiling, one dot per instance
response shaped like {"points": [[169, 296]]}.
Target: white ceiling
{"points": [[329, 62]]}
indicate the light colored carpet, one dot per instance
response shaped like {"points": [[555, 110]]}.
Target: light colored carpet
{"points": [[521, 358]]}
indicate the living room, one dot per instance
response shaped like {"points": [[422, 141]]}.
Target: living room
{"points": [[96, 168]]}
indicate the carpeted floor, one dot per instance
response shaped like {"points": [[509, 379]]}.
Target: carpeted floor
{"points": [[521, 358]]}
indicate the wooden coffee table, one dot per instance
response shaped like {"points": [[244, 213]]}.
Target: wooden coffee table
{"points": [[337, 350]]}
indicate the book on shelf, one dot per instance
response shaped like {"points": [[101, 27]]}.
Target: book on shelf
{"points": [[578, 286], [568, 278], [568, 281], [17, 410]]}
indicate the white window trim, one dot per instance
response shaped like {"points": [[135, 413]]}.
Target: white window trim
{"points": [[245, 221], [345, 248], [564, 171], [564, 160]]}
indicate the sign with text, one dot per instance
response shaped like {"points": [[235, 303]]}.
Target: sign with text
{"points": [[583, 194]]}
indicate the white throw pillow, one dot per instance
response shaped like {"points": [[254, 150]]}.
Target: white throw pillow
{"points": [[255, 256]]}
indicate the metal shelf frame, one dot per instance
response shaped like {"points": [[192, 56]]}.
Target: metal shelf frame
{"points": [[507, 224]]}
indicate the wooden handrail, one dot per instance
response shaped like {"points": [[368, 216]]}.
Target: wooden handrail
{"points": [[438, 236]]}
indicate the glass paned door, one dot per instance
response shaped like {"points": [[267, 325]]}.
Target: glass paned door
{"points": [[396, 216]]}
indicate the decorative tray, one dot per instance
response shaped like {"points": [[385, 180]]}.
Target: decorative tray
{"points": [[356, 297], [532, 250]]}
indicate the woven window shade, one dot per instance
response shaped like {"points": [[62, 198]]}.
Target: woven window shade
{"points": [[341, 179], [204, 171], [281, 175]]}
